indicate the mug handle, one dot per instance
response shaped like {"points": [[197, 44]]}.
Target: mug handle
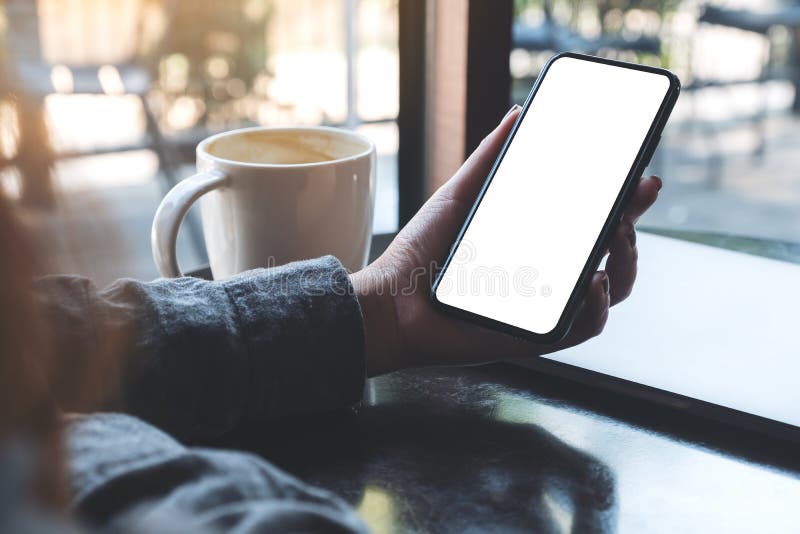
{"points": [[170, 214]]}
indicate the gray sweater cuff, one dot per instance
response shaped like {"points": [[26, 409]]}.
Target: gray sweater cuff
{"points": [[304, 337]]}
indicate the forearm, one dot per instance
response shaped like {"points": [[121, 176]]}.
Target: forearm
{"points": [[127, 476], [198, 358]]}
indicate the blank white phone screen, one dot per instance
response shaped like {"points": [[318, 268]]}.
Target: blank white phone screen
{"points": [[522, 254]]}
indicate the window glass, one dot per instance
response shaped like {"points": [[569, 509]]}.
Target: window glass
{"points": [[729, 155]]}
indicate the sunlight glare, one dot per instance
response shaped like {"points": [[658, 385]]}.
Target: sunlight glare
{"points": [[9, 129], [62, 80], [110, 80]]}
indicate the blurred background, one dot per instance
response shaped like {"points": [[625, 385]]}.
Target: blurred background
{"points": [[103, 101]]}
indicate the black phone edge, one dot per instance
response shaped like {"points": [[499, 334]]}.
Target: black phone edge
{"points": [[642, 160]]}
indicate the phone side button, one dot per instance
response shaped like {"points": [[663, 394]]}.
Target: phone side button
{"points": [[650, 151]]}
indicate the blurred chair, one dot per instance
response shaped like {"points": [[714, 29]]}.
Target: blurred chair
{"points": [[95, 44], [759, 21], [551, 35]]}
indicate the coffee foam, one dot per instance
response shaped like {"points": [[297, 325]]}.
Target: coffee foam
{"points": [[285, 147]]}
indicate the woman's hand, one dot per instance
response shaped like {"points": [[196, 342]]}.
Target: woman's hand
{"points": [[403, 329]]}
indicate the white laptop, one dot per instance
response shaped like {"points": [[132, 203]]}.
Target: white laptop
{"points": [[708, 330]]}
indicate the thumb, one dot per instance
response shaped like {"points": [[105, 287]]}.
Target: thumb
{"points": [[468, 180]]}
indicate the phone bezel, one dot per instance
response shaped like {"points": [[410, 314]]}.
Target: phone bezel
{"points": [[641, 161]]}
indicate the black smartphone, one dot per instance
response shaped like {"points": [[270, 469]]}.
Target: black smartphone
{"points": [[540, 226]]}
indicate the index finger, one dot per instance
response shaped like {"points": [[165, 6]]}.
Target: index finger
{"points": [[468, 180], [643, 197]]}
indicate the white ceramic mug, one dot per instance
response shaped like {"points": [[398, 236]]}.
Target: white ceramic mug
{"points": [[274, 195]]}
